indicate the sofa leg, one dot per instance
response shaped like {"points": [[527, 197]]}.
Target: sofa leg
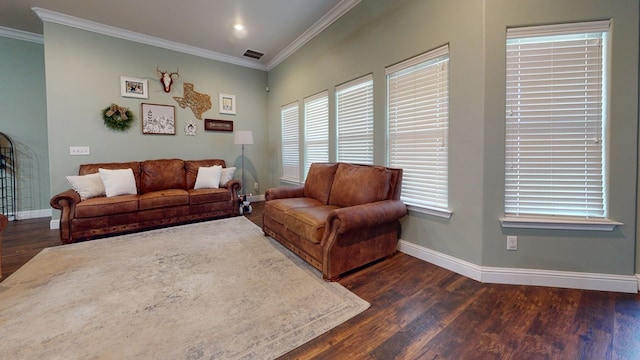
{"points": [[333, 279]]}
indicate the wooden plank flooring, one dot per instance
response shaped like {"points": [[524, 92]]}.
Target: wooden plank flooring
{"points": [[421, 311]]}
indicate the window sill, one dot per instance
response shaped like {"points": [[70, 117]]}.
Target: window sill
{"points": [[558, 224], [290, 181], [445, 214]]}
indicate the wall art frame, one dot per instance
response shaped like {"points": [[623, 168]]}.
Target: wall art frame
{"points": [[134, 87], [218, 125], [227, 104], [158, 119]]}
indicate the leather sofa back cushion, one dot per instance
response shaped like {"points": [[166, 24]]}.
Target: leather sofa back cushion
{"points": [[356, 185], [86, 169], [318, 183], [162, 174], [192, 166]]}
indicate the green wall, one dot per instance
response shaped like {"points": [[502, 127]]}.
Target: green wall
{"points": [[379, 33], [83, 77], [24, 120]]}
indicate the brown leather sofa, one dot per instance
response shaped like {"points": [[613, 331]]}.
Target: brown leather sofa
{"points": [[165, 196], [344, 216]]}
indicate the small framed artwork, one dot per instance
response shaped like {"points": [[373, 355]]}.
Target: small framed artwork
{"points": [[135, 88], [218, 125], [190, 128], [158, 119], [227, 104]]}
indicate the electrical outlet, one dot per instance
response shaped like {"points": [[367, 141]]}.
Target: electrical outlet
{"points": [[255, 186], [512, 243], [79, 150]]}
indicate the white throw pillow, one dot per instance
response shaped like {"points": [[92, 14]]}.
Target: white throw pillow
{"points": [[208, 177], [118, 182], [227, 175], [88, 186]]}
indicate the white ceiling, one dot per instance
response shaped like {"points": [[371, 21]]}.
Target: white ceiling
{"points": [[202, 27]]}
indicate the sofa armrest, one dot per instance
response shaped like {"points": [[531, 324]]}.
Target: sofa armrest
{"points": [[350, 218], [64, 199], [284, 192], [233, 186]]}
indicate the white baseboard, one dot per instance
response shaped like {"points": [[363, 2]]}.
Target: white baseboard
{"points": [[254, 198], [32, 214], [534, 277]]}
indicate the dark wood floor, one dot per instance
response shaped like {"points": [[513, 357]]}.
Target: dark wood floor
{"points": [[421, 311]]}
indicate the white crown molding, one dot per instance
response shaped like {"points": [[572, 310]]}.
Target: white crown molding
{"points": [[531, 277], [21, 35], [324, 22], [78, 23]]}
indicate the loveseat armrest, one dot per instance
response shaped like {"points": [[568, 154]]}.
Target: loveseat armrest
{"points": [[284, 192], [350, 218], [233, 186]]}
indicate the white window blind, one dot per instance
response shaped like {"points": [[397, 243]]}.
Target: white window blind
{"points": [[555, 121], [290, 143], [418, 105], [316, 130], [354, 116]]}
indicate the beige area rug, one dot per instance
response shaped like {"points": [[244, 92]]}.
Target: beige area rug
{"points": [[213, 290]]}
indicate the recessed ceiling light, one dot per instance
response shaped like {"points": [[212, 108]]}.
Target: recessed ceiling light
{"points": [[238, 27]]}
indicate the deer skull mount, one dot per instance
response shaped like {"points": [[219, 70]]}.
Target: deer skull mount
{"points": [[166, 78]]}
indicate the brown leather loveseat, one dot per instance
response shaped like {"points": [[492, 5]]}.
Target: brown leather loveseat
{"points": [[343, 217], [163, 195]]}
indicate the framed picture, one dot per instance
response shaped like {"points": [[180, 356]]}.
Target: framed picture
{"points": [[158, 119], [227, 104], [135, 88], [218, 125]]}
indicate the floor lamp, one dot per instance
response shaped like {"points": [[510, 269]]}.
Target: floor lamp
{"points": [[242, 138]]}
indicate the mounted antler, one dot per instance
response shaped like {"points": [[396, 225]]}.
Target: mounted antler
{"points": [[166, 78]]}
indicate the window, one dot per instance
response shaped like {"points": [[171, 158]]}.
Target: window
{"points": [[555, 120], [354, 116], [418, 106], [290, 143], [316, 130]]}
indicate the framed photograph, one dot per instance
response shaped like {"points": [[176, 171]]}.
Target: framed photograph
{"points": [[218, 125], [134, 88], [158, 119], [227, 104]]}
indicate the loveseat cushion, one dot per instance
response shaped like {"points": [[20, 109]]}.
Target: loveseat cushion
{"points": [[163, 198], [318, 183], [162, 174], [192, 166], [277, 209], [308, 222], [101, 206], [356, 185]]}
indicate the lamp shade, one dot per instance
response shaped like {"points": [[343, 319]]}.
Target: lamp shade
{"points": [[243, 137]]}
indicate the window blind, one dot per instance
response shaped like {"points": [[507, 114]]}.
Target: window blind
{"points": [[555, 121], [316, 130], [290, 143], [418, 120], [354, 117]]}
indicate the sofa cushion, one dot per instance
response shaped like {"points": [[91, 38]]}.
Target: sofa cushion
{"points": [[162, 174], [93, 168], [319, 179], [101, 206], [356, 185], [163, 198], [278, 208], [191, 168], [118, 182], [87, 186], [208, 177], [202, 196], [308, 222]]}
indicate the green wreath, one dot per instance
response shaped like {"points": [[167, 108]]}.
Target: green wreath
{"points": [[117, 117]]}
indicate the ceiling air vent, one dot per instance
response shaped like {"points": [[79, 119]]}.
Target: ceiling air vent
{"points": [[253, 54]]}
